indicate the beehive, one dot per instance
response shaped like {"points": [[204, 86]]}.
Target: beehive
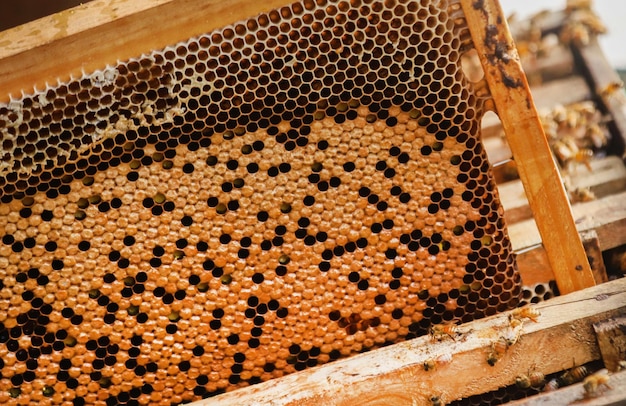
{"points": [[288, 190]]}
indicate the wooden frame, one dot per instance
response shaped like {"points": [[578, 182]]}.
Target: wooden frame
{"points": [[539, 175]]}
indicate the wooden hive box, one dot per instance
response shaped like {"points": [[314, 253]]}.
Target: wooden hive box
{"points": [[274, 192]]}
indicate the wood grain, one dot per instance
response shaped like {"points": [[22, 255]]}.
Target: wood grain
{"points": [[538, 173], [611, 335], [608, 176], [607, 216]]}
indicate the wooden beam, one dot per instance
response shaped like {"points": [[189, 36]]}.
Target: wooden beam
{"points": [[575, 395], [607, 176], [395, 375], [536, 167], [594, 254], [611, 335], [101, 32], [607, 216]]}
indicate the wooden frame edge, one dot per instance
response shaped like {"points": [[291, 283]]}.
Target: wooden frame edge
{"points": [[100, 33], [538, 172]]}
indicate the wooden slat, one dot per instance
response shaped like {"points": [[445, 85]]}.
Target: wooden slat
{"points": [[594, 253], [607, 216], [569, 90], [611, 335], [395, 375], [535, 164], [575, 395], [607, 176], [534, 267], [548, 21], [89, 37]]}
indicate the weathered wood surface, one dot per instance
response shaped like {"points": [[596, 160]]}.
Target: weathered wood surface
{"points": [[101, 32], [611, 335], [574, 395], [395, 375], [607, 216], [535, 165], [608, 176], [594, 254]]}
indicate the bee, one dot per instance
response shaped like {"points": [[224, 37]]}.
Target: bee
{"points": [[436, 401], [537, 379], [575, 32], [574, 375], [439, 331], [526, 312], [498, 349], [581, 25], [533, 379], [614, 90], [568, 152], [611, 89], [596, 135], [522, 382], [583, 156], [592, 383], [552, 385], [429, 365], [581, 195], [515, 323], [577, 5], [432, 364]]}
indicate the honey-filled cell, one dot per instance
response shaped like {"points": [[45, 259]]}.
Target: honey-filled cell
{"points": [[289, 190]]}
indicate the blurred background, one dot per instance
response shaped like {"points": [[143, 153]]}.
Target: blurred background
{"points": [[612, 13]]}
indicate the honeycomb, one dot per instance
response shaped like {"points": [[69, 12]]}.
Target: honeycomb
{"points": [[539, 292], [288, 190]]}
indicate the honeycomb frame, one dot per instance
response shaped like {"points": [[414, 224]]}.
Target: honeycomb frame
{"points": [[139, 141]]}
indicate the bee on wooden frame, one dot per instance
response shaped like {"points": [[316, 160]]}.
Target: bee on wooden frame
{"points": [[440, 331], [593, 383]]}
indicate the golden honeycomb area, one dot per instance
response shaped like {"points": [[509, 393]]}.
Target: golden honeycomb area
{"points": [[291, 189]]}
